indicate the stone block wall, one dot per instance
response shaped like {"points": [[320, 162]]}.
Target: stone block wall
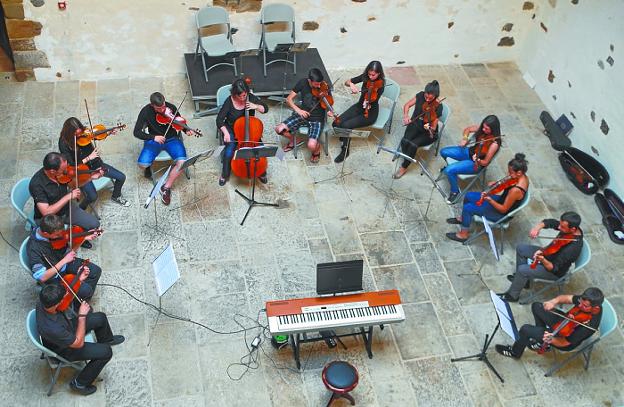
{"points": [[21, 33]]}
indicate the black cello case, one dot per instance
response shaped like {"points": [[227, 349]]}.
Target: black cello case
{"points": [[611, 208], [575, 162]]}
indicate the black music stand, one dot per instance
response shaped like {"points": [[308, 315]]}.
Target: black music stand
{"points": [[254, 153], [199, 157], [505, 321]]}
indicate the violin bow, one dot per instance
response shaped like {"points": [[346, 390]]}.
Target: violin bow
{"points": [[557, 238], [90, 124], [319, 101], [483, 141], [563, 314], [422, 113], [58, 273], [175, 113]]}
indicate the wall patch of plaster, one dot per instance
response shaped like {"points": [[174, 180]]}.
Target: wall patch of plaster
{"points": [[506, 42], [604, 127]]}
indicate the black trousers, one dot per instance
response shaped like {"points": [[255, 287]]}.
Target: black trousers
{"points": [[353, 118], [415, 136], [98, 354], [543, 321]]}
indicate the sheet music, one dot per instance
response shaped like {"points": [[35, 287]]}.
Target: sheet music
{"points": [[166, 271], [505, 316], [490, 234], [156, 189]]}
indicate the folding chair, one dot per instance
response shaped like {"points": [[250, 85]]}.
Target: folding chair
{"points": [[24, 257], [215, 45], [276, 14], [100, 184], [608, 323], [582, 261], [55, 362], [222, 94], [392, 91], [503, 223], [20, 195]]}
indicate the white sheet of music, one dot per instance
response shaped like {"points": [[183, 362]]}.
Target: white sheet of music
{"points": [[490, 234], [166, 271], [505, 316]]}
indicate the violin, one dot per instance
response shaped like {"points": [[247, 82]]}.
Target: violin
{"points": [[77, 235], [325, 99], [100, 132], [482, 147], [572, 319], [72, 285], [498, 187], [563, 239], [177, 122], [76, 176], [429, 112], [371, 93], [248, 129]]}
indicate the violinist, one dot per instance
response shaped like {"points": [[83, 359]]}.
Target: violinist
{"points": [[365, 111], [487, 141], [539, 337], [493, 206], [311, 114], [67, 337], [52, 197], [148, 129], [88, 154], [422, 127], [550, 266], [233, 108], [46, 262]]}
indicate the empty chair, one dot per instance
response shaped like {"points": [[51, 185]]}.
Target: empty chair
{"points": [[273, 15], [214, 45], [340, 378], [19, 197]]}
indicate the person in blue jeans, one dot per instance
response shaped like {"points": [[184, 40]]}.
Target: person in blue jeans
{"points": [[470, 159], [493, 207], [89, 155], [158, 137]]}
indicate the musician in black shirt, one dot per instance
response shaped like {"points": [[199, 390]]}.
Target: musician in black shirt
{"points": [[420, 130], [234, 108], [310, 114], [89, 155], [549, 267], [541, 336], [364, 112]]}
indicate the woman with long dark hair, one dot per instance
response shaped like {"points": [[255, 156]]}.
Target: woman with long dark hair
{"points": [[364, 112]]}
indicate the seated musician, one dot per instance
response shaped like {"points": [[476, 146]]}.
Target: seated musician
{"points": [[550, 266], [487, 141], [89, 155], [365, 111], [44, 260], [155, 140], [312, 115], [493, 207], [233, 108], [541, 336], [67, 337], [53, 198], [421, 130]]}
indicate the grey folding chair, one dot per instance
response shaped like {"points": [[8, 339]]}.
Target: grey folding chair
{"points": [[215, 45], [503, 223], [392, 91], [273, 15], [582, 261], [608, 323], [20, 195], [55, 362], [222, 94]]}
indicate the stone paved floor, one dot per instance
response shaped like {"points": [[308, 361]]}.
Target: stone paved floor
{"points": [[228, 269]]}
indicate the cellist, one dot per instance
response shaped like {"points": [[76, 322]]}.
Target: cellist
{"points": [[548, 320], [422, 126], [233, 108], [549, 264], [46, 262]]}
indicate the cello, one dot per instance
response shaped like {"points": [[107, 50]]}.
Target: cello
{"points": [[248, 129]]}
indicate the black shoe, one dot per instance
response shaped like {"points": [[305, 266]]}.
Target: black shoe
{"points": [[117, 339], [535, 346], [452, 197], [263, 179], [344, 153], [453, 221], [506, 350], [84, 390], [86, 245], [453, 236], [147, 172], [222, 181], [165, 195], [507, 297], [527, 285]]}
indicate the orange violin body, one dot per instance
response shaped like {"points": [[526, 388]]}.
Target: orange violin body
{"points": [[372, 93], [555, 246], [498, 187], [72, 285], [177, 122], [81, 172], [78, 235], [100, 132]]}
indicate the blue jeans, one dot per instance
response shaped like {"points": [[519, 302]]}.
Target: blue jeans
{"points": [[464, 164], [174, 147], [471, 208], [90, 194]]}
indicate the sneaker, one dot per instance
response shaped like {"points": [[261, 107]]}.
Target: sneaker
{"points": [[120, 200], [165, 195], [452, 197], [507, 297], [117, 339], [147, 172], [84, 390], [527, 285], [344, 153], [86, 245], [506, 350], [222, 181], [535, 346], [263, 179]]}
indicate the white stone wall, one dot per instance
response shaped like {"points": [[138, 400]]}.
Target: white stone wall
{"points": [[575, 48], [119, 38]]}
